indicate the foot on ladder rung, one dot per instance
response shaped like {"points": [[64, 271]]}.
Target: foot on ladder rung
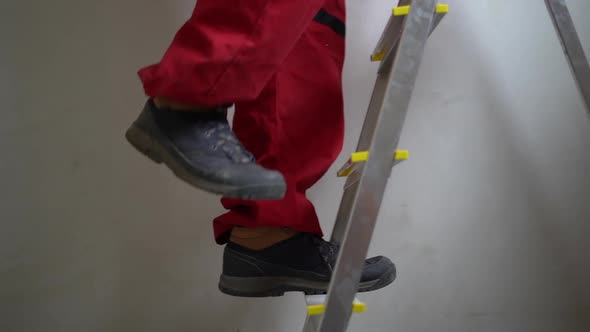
{"points": [[358, 157]]}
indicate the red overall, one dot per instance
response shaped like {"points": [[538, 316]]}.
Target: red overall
{"points": [[280, 62]]}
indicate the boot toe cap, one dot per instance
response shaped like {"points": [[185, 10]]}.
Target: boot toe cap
{"points": [[377, 267]]}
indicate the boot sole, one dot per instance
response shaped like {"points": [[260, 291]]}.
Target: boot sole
{"points": [[278, 286], [159, 153]]}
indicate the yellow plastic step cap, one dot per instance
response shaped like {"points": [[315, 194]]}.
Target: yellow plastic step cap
{"points": [[405, 10], [318, 309]]}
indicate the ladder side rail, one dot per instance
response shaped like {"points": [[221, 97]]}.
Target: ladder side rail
{"points": [[572, 47], [312, 323], [394, 90]]}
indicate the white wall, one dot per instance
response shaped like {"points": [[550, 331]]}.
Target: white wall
{"points": [[487, 221]]}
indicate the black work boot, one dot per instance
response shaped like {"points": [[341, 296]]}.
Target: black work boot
{"points": [[303, 263], [201, 149]]}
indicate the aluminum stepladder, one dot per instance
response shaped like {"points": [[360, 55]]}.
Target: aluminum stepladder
{"points": [[572, 47], [400, 52]]}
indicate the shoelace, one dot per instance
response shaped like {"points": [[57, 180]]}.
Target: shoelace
{"points": [[328, 250], [228, 143]]}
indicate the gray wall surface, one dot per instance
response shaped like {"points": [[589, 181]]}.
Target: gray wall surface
{"points": [[488, 221]]}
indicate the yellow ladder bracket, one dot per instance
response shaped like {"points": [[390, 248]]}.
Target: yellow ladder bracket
{"points": [[318, 309], [405, 10], [358, 157]]}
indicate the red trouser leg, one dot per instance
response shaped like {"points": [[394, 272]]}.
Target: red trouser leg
{"points": [[229, 50], [296, 125]]}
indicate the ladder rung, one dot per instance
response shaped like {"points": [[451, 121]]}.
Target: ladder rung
{"points": [[358, 157], [318, 309], [405, 10]]}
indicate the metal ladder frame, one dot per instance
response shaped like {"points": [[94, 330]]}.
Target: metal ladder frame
{"points": [[400, 51], [572, 47]]}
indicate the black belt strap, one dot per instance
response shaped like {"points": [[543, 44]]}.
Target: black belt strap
{"points": [[333, 22]]}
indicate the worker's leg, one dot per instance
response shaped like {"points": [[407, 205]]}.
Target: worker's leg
{"points": [[295, 126], [228, 50], [226, 53]]}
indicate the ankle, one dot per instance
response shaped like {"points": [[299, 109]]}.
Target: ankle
{"points": [[258, 238]]}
